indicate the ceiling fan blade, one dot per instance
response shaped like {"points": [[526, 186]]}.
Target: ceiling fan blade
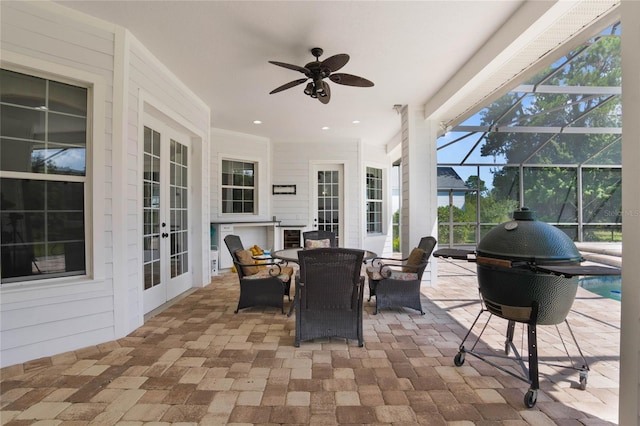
{"points": [[350, 80], [335, 62], [289, 85], [327, 91], [291, 67]]}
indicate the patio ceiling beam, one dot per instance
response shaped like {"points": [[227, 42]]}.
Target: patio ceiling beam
{"points": [[540, 129], [533, 165], [569, 90]]}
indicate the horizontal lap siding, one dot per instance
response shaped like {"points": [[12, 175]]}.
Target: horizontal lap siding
{"points": [[75, 318], [37, 32], [295, 160], [148, 74], [145, 73], [41, 319], [238, 146]]}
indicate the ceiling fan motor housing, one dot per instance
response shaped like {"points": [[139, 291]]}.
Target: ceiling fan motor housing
{"points": [[317, 71]]}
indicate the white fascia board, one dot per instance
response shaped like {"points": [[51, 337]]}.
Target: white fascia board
{"points": [[521, 42]]}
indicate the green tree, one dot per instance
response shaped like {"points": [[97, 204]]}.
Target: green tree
{"points": [[552, 190]]}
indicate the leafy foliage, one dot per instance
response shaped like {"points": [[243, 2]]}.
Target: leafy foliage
{"points": [[551, 187]]}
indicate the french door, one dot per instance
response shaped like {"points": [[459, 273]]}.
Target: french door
{"points": [[328, 198], [165, 240]]}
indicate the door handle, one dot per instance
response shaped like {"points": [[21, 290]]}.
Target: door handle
{"points": [[165, 235]]}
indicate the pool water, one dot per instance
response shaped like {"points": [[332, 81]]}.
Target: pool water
{"points": [[607, 286]]}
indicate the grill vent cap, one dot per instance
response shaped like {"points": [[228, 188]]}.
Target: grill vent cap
{"points": [[524, 214]]}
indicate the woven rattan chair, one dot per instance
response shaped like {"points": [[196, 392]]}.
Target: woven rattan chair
{"points": [[329, 294], [319, 235], [396, 282], [261, 284]]}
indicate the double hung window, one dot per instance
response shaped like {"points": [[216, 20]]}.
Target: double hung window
{"points": [[238, 186], [374, 200], [43, 177]]}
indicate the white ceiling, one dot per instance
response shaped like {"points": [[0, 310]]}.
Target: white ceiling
{"points": [[411, 50]]}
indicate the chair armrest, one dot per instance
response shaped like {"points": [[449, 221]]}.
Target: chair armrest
{"points": [[269, 261], [386, 264], [388, 259], [379, 262], [260, 264], [405, 267], [275, 269], [274, 266], [389, 270]]}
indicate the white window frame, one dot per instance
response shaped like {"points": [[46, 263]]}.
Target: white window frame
{"points": [[376, 201], [254, 188], [94, 209]]}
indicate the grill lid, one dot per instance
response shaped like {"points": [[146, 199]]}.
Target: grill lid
{"points": [[525, 238]]}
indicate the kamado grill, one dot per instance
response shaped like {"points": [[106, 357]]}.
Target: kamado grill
{"points": [[528, 273]]}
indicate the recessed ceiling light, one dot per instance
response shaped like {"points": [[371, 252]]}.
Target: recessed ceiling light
{"points": [[325, 128], [356, 121], [257, 122]]}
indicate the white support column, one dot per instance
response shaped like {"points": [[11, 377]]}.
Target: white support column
{"points": [[419, 182], [630, 318]]}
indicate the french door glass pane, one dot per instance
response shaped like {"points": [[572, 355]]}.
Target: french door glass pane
{"points": [[178, 211], [151, 208], [328, 196]]}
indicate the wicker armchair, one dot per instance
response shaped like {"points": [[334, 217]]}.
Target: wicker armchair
{"points": [[329, 294], [261, 284], [319, 236], [396, 282]]}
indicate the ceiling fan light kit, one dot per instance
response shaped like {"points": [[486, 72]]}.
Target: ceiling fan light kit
{"points": [[317, 71]]}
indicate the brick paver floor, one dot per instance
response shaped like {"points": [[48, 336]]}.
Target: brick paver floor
{"points": [[196, 362]]}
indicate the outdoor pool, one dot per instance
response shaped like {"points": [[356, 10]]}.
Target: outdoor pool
{"points": [[607, 286]]}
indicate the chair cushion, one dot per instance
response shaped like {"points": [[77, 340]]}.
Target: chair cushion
{"points": [[374, 273], [256, 250], [415, 257], [286, 271], [317, 243], [246, 258], [403, 276], [284, 276], [377, 275]]}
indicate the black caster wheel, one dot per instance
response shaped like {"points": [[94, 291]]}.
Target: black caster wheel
{"points": [[583, 380], [458, 360], [530, 398]]}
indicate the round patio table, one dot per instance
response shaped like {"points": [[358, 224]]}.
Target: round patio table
{"points": [[291, 254]]}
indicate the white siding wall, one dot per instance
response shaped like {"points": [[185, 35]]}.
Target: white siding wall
{"points": [[44, 318], [229, 145], [283, 163], [291, 163], [240, 146], [49, 317], [419, 184], [152, 89]]}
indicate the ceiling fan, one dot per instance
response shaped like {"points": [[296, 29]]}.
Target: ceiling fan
{"points": [[317, 71]]}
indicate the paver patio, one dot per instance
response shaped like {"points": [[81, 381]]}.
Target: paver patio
{"points": [[196, 362]]}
